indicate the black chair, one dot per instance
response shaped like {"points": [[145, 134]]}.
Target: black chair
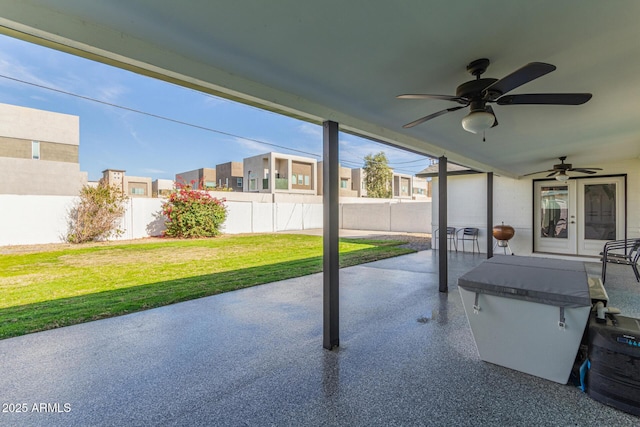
{"points": [[451, 237], [469, 233], [625, 252]]}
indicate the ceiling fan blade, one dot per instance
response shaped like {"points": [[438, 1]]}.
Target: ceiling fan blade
{"points": [[431, 116], [458, 99], [590, 171], [545, 98], [535, 173], [523, 75], [553, 173]]}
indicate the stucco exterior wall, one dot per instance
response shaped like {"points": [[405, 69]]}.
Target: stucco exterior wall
{"points": [[39, 125], [39, 177], [632, 168], [467, 207]]}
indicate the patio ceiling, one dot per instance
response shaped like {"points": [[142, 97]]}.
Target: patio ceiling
{"points": [[346, 62]]}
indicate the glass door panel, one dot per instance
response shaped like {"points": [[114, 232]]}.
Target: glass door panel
{"points": [[600, 211], [554, 202], [601, 207], [554, 217]]}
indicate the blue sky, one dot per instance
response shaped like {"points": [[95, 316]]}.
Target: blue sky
{"points": [[115, 138]]}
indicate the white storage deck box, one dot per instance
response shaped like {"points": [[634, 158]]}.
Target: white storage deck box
{"points": [[528, 314]]}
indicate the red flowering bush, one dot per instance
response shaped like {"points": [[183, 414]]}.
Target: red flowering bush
{"points": [[193, 213]]}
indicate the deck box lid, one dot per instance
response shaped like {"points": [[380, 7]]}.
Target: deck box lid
{"points": [[546, 281]]}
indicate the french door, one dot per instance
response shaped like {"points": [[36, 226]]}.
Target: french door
{"points": [[577, 217]]}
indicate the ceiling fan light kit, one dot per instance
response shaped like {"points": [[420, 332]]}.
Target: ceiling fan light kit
{"points": [[562, 176], [480, 92], [478, 121]]}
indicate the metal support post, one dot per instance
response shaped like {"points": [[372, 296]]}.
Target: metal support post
{"points": [[489, 215], [330, 260], [443, 273]]}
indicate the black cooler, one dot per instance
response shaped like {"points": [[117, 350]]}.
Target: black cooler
{"points": [[614, 354]]}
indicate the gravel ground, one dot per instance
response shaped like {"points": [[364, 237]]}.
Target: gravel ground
{"points": [[415, 241]]}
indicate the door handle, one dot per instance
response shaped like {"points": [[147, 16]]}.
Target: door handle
{"points": [[573, 222]]}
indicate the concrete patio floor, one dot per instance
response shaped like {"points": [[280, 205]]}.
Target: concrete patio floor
{"points": [[255, 357]]}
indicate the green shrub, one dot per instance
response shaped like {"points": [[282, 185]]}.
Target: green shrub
{"points": [[97, 214], [193, 213]]}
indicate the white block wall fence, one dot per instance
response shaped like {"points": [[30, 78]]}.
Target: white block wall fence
{"points": [[28, 220]]}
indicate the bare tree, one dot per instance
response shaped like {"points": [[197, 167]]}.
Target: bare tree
{"points": [[97, 214]]}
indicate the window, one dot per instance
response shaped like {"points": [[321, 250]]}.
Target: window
{"points": [[239, 183], [343, 183], [253, 186], [300, 179], [306, 180], [137, 191], [209, 184], [35, 150], [294, 178]]}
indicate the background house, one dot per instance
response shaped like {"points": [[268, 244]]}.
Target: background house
{"points": [[132, 186], [138, 186], [347, 187], [280, 173], [203, 176], [230, 175], [358, 181], [161, 187], [402, 186], [421, 188], [39, 152]]}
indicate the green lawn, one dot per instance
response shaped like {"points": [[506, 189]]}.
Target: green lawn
{"points": [[45, 290]]}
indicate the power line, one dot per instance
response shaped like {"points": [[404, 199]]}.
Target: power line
{"points": [[410, 161], [350, 163], [208, 129], [157, 116]]}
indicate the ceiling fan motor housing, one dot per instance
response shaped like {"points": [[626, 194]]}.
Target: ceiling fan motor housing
{"points": [[474, 88], [562, 166]]}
